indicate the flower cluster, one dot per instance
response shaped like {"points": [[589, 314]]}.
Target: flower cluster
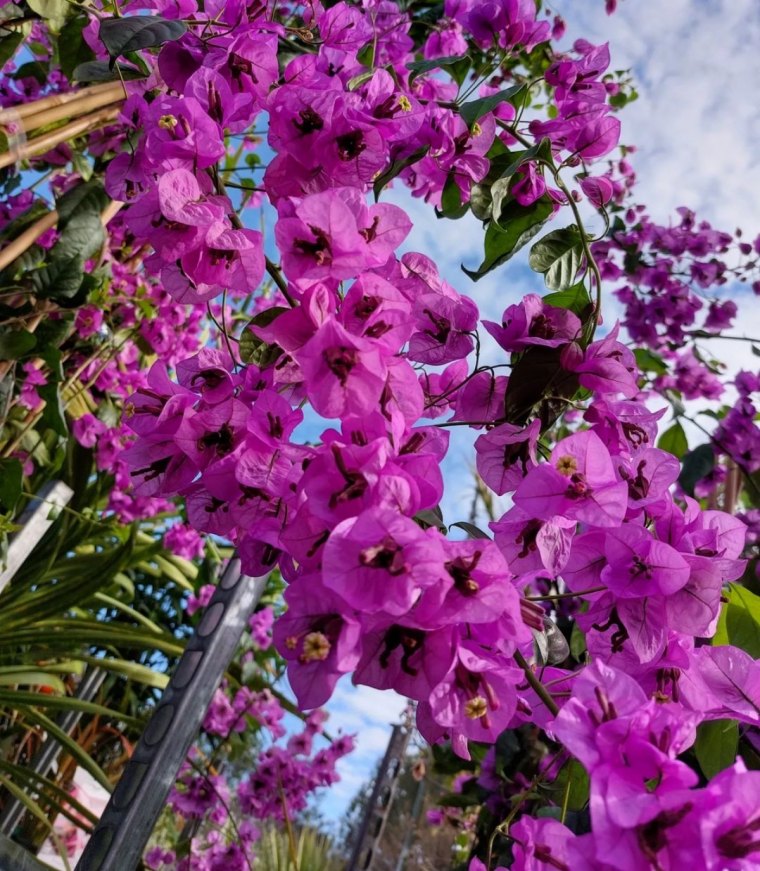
{"points": [[316, 447]]}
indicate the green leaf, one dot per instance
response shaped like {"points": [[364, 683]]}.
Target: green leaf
{"points": [[16, 698], [481, 201], [15, 343], [33, 69], [89, 198], [22, 676], [11, 482], [674, 441], [471, 530], [135, 32], [573, 779], [52, 333], [101, 71], [48, 791], [358, 81], [648, 361], [695, 466], [252, 348], [431, 517], [451, 201], [575, 299], [577, 642], [366, 55], [456, 65], [62, 737], [475, 109], [716, 746], [739, 622], [395, 168], [72, 48], [8, 46], [60, 279], [54, 11], [131, 670], [508, 165], [53, 415], [520, 226], [558, 256]]}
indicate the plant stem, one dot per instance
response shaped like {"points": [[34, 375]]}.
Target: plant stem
{"points": [[536, 684], [553, 596]]}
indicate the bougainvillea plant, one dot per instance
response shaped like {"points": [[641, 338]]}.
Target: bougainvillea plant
{"points": [[607, 610]]}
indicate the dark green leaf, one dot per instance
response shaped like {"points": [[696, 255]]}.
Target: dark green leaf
{"points": [[72, 48], [696, 465], [471, 530], [431, 517], [538, 373], [88, 198], [15, 343], [52, 333], [475, 109], [101, 71], [8, 46], [716, 745], [396, 167], [575, 299], [60, 280], [11, 481], [451, 201], [135, 32], [456, 65], [521, 223], [53, 415], [254, 349], [674, 441], [508, 164], [558, 256], [33, 70]]}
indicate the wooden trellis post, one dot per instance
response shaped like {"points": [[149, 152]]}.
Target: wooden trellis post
{"points": [[376, 811]]}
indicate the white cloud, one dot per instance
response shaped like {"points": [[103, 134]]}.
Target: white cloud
{"points": [[696, 124]]}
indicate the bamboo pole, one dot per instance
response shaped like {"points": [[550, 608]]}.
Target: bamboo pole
{"points": [[13, 113], [50, 140], [17, 247], [72, 110]]}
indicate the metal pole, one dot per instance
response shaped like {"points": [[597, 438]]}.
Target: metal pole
{"points": [[34, 521], [120, 837], [46, 756], [376, 812], [14, 857]]}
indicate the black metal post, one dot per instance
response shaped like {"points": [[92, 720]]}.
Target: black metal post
{"points": [[120, 837], [13, 857]]}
